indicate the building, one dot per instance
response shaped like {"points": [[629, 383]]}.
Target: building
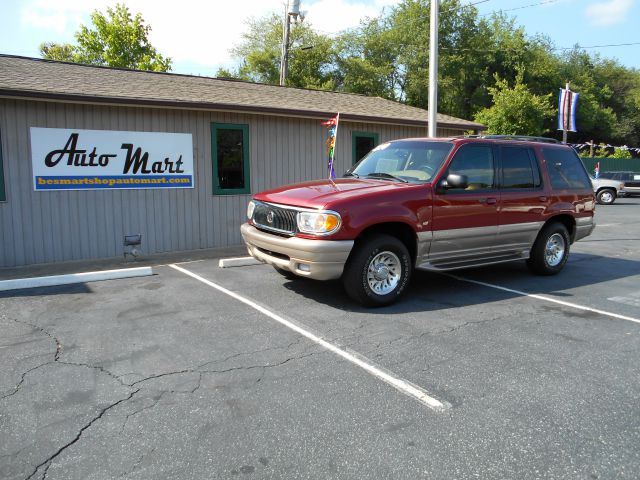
{"points": [[90, 154]]}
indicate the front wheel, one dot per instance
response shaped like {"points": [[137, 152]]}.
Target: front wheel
{"points": [[378, 272], [606, 196], [550, 251]]}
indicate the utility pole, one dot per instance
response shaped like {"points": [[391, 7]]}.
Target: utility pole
{"points": [[433, 69], [292, 10]]}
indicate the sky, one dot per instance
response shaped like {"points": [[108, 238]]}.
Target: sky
{"points": [[199, 34]]}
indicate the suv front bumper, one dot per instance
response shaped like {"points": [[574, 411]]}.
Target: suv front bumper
{"points": [[317, 259]]}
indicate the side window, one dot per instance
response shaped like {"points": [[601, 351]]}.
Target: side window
{"points": [[565, 169], [519, 168], [3, 195], [362, 143], [230, 157], [476, 163]]}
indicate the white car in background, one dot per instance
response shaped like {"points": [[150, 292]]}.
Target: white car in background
{"points": [[606, 190]]}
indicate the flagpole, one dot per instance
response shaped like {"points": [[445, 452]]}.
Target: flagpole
{"points": [[432, 105], [335, 142]]}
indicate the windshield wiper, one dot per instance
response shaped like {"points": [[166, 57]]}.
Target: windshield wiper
{"points": [[386, 175], [351, 174]]}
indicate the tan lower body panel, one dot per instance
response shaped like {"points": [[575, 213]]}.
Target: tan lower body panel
{"points": [[317, 259]]}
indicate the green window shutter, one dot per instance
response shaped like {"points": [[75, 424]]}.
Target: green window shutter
{"points": [[230, 158], [361, 144]]}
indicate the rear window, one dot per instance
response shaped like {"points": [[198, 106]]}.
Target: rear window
{"points": [[565, 169], [519, 169]]}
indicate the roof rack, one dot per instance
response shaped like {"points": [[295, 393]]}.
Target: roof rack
{"points": [[519, 138]]}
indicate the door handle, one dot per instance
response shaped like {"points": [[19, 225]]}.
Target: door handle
{"points": [[489, 201], [543, 199]]}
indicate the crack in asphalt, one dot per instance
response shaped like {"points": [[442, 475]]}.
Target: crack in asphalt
{"points": [[200, 370], [156, 400], [56, 355], [59, 346], [47, 462], [138, 463], [16, 389], [99, 368]]}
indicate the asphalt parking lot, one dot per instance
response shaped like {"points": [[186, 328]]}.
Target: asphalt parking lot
{"points": [[170, 376]]}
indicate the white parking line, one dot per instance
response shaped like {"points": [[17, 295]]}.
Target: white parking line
{"points": [[388, 377], [546, 299]]}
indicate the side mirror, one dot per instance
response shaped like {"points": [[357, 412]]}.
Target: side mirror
{"points": [[454, 180]]}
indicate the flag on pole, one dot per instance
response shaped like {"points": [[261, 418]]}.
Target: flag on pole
{"points": [[567, 110], [332, 134], [596, 170]]}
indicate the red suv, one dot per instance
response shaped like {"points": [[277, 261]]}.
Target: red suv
{"points": [[437, 204]]}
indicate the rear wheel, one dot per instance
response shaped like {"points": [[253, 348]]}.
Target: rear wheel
{"points": [[378, 272], [606, 196], [550, 251]]}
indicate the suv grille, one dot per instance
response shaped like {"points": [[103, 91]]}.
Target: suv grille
{"points": [[275, 219]]}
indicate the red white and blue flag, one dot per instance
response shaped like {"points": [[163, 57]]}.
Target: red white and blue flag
{"points": [[332, 134], [567, 110]]}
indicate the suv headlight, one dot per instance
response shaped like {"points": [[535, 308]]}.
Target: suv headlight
{"points": [[318, 223], [250, 208]]}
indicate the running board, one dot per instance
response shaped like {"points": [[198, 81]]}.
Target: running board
{"points": [[454, 264]]}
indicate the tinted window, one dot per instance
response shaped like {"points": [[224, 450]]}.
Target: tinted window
{"points": [[476, 163], [230, 152], [615, 175], [565, 169], [519, 168]]}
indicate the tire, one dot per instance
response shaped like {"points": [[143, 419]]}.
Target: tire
{"points": [[550, 251], [606, 196], [378, 271]]}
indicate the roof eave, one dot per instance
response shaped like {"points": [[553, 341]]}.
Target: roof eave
{"points": [[186, 105]]}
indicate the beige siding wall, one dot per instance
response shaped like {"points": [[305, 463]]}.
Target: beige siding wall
{"points": [[42, 227]]}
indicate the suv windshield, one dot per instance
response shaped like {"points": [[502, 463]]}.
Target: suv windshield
{"points": [[407, 161]]}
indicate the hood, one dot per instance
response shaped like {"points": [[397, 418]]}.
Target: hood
{"points": [[321, 194]]}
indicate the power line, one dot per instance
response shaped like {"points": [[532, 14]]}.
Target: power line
{"points": [[598, 46], [520, 8], [576, 47]]}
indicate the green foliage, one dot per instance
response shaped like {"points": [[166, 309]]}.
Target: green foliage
{"points": [[620, 153], [602, 151], [515, 110], [57, 51], [116, 40], [260, 52], [366, 61]]}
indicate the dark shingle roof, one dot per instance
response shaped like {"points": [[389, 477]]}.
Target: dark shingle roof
{"points": [[37, 78]]}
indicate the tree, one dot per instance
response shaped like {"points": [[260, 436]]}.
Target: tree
{"points": [[115, 40], [479, 57], [260, 50], [366, 61], [515, 110]]}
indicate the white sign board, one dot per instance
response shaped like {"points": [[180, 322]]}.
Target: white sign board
{"points": [[73, 159]]}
